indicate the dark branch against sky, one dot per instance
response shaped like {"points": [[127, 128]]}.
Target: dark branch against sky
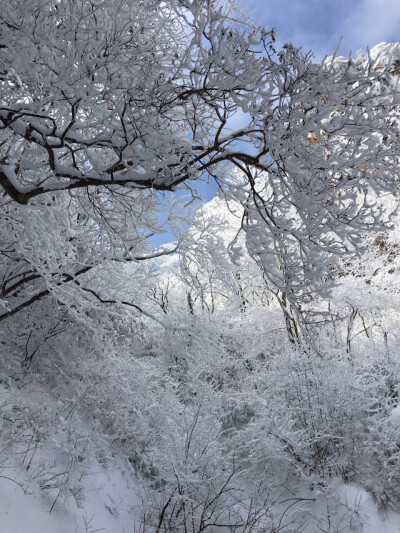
{"points": [[319, 25]]}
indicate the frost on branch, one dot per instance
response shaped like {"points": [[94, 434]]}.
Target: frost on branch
{"points": [[136, 95], [259, 363]]}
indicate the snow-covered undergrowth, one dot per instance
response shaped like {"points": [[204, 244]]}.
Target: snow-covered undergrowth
{"points": [[199, 408], [215, 426]]}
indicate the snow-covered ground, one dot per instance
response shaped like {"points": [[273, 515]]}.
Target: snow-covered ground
{"points": [[111, 505], [109, 502]]}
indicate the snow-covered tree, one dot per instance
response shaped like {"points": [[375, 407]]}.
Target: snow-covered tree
{"points": [[182, 364], [120, 96]]}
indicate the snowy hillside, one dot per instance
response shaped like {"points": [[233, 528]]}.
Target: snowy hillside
{"points": [[243, 377]]}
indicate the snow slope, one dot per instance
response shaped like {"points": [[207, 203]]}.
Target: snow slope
{"points": [[109, 504]]}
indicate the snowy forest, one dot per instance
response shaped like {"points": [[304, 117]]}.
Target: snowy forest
{"points": [[170, 364]]}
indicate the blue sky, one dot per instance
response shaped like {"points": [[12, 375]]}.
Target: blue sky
{"points": [[319, 24]]}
